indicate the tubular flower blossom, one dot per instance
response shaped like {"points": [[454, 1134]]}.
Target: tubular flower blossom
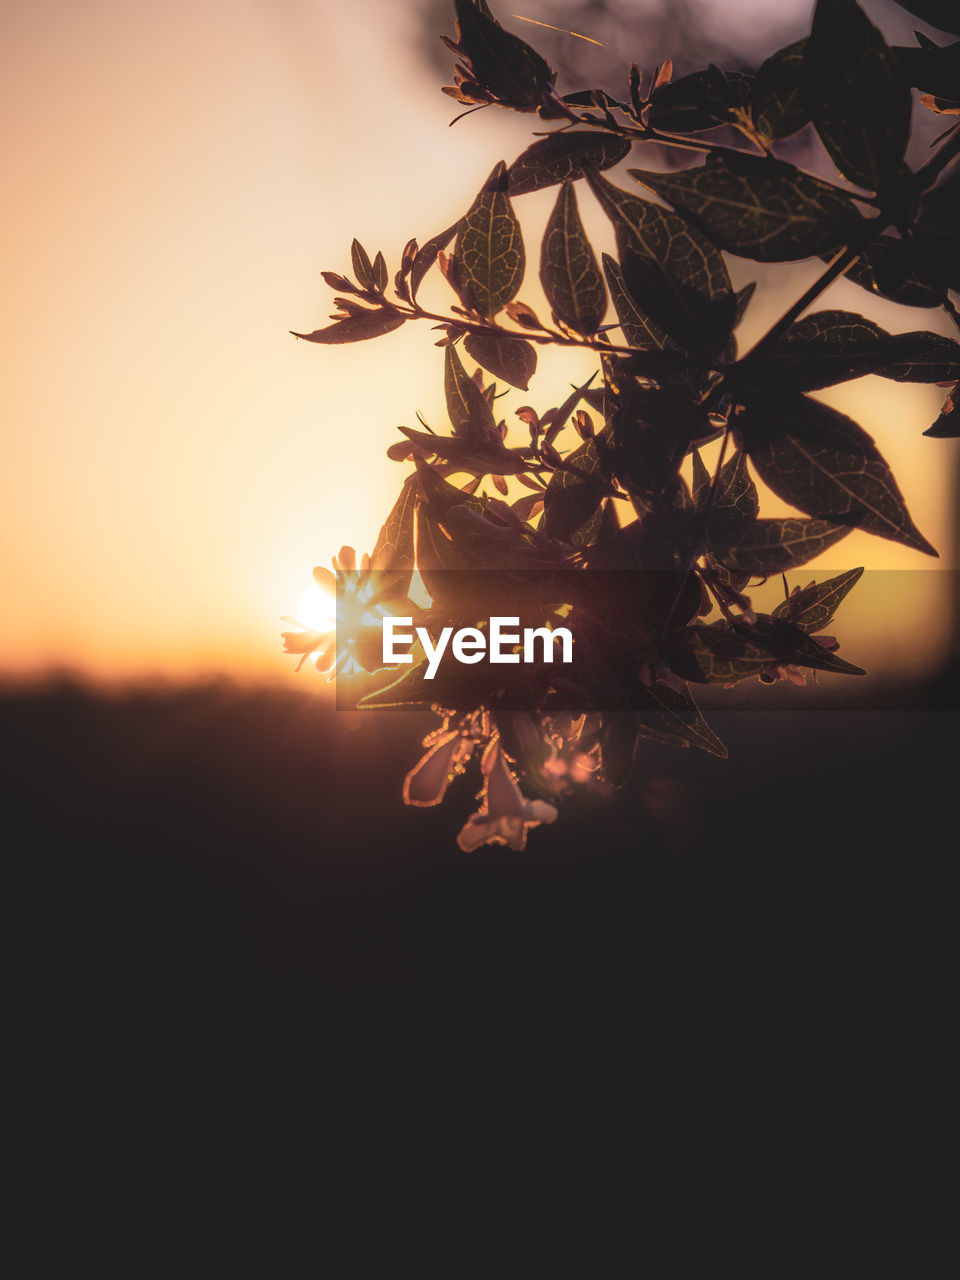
{"points": [[450, 748], [505, 814]]}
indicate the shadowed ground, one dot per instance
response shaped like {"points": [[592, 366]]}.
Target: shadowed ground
{"points": [[226, 880]]}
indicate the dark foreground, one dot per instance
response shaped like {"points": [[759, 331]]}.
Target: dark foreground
{"points": [[226, 881]]}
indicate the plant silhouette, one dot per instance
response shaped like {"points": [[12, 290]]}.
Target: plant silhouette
{"points": [[658, 600]]}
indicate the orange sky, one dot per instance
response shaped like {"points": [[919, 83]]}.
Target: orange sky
{"points": [[174, 463]]}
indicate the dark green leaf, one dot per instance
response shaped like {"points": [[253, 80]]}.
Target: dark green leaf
{"points": [[670, 715], [664, 414], [758, 208], [857, 94], [568, 269], [936, 238], [394, 549], [479, 457], [743, 299], [725, 653], [427, 256], [771, 546], [490, 247], [362, 266], [380, 275], [408, 690], [563, 157], [794, 645], [833, 346], [470, 414], [820, 461], [355, 328], [574, 495], [887, 267], [736, 501], [638, 330], [503, 63], [559, 418], [677, 274], [813, 607], [939, 13], [701, 479], [512, 359], [717, 654], [933, 70], [440, 494], [436, 549], [776, 97], [947, 426], [699, 101]]}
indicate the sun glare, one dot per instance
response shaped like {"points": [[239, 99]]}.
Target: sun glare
{"points": [[317, 609]]}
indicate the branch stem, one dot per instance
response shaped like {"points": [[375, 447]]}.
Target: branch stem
{"points": [[840, 265]]}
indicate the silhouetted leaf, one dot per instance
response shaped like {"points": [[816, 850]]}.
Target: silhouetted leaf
{"points": [[678, 274], [479, 457], [356, 328], [699, 101], [776, 97], [440, 494], [947, 426], [933, 69], [362, 266], [820, 461], [380, 274], [887, 267], [758, 208], [724, 653], [743, 299], [936, 238], [394, 549], [792, 644], [770, 546], [736, 501], [427, 256], [568, 269], [436, 549], [559, 418], [716, 654], [670, 715], [470, 414], [503, 63], [574, 495], [939, 13], [511, 359], [833, 346], [701, 479], [638, 330], [490, 247], [409, 689], [562, 157], [813, 607], [664, 418], [857, 94]]}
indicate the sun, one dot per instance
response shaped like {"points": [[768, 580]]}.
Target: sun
{"points": [[317, 609]]}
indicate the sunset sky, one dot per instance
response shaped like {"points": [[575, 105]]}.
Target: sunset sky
{"points": [[174, 462]]}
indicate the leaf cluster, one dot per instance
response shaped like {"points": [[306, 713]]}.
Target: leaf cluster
{"points": [[606, 513]]}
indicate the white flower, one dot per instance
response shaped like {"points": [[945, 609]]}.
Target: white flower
{"points": [[450, 749], [504, 815]]}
